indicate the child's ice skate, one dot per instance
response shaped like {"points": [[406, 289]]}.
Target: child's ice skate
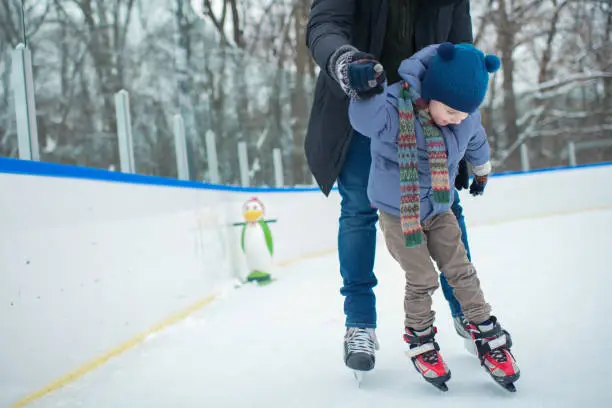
{"points": [[360, 347], [424, 353], [493, 345], [461, 324]]}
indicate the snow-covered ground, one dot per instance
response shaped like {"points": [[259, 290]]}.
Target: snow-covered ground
{"points": [[548, 281]]}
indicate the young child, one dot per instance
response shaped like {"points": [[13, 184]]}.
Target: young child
{"points": [[420, 128]]}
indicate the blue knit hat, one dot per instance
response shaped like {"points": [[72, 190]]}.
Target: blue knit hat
{"points": [[458, 76]]}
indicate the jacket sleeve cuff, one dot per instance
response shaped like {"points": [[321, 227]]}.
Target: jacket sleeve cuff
{"points": [[482, 169], [338, 61]]}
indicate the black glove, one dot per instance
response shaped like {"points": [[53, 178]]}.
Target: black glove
{"points": [[359, 74], [463, 177], [478, 185]]}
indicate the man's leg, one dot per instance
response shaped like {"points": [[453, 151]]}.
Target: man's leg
{"points": [[356, 248], [458, 211], [357, 236], [446, 288]]}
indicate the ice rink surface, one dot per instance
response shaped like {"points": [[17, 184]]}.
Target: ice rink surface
{"points": [[549, 281]]}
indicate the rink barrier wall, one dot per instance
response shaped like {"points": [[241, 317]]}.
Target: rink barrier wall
{"points": [[80, 246], [77, 250]]}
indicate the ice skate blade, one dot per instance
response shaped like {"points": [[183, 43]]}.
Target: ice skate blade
{"points": [[508, 383], [440, 382], [508, 387], [441, 386], [359, 376]]}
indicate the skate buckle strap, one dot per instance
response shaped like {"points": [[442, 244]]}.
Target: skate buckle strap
{"points": [[418, 350], [497, 342], [492, 344]]}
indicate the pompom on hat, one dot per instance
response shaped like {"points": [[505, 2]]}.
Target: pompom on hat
{"points": [[458, 76]]}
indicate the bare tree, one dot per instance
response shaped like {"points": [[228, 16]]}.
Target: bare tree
{"points": [[240, 69]]}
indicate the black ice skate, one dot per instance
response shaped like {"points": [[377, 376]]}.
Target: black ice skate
{"points": [[360, 346]]}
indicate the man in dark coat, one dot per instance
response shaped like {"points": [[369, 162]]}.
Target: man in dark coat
{"points": [[358, 44]]}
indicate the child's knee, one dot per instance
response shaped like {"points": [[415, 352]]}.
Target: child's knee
{"points": [[425, 285]]}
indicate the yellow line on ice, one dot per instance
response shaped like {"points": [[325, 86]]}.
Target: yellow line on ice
{"points": [[130, 343], [102, 359]]}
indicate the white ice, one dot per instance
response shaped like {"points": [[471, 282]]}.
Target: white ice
{"points": [[548, 280]]}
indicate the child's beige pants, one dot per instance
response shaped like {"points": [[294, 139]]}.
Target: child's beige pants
{"points": [[442, 241]]}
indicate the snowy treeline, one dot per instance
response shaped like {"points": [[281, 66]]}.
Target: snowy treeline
{"points": [[240, 69]]}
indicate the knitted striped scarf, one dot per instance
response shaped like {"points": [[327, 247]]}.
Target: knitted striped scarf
{"points": [[410, 210]]}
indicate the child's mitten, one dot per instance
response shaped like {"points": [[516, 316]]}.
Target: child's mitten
{"points": [[462, 181], [359, 74], [478, 185]]}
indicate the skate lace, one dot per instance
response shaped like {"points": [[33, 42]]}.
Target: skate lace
{"points": [[431, 357], [361, 341], [499, 355]]}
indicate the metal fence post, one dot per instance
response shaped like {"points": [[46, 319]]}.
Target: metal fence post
{"points": [[524, 156], [180, 145], [211, 154], [278, 167], [25, 105], [571, 150], [243, 161], [124, 131]]}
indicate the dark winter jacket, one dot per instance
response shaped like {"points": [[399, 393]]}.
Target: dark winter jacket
{"points": [[362, 24], [398, 43]]}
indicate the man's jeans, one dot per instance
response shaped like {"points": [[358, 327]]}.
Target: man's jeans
{"points": [[357, 238]]}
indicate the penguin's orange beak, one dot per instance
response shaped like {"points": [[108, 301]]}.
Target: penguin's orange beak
{"points": [[252, 215]]}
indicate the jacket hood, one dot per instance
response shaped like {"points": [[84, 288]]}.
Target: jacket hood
{"points": [[413, 69]]}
